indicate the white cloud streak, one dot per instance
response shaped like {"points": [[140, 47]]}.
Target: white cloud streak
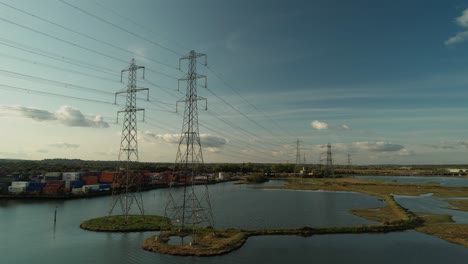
{"points": [[207, 140], [463, 35], [379, 146], [64, 145], [450, 144], [345, 127], [65, 115]]}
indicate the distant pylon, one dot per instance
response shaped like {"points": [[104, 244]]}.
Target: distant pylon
{"points": [[193, 207], [349, 160], [126, 183], [298, 157], [329, 167]]}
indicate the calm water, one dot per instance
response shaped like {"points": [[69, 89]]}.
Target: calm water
{"points": [[431, 204], [444, 181], [29, 235]]}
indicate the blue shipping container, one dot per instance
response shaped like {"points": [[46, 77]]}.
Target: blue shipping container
{"points": [[76, 184], [34, 188], [37, 184]]}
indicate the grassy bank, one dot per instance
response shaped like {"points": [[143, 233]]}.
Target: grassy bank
{"points": [[134, 223], [460, 205]]}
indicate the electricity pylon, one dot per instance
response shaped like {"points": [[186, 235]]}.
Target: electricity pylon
{"points": [[194, 206], [298, 157], [126, 183], [329, 167]]}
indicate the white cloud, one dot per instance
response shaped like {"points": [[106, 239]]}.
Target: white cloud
{"points": [[405, 152], [65, 115], [64, 145], [460, 36], [319, 125], [70, 116], [212, 150], [463, 19], [449, 144], [207, 140], [345, 127], [379, 146], [277, 153], [33, 113]]}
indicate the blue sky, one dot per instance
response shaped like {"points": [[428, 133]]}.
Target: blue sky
{"points": [[382, 80]]}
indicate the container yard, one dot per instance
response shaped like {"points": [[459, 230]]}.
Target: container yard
{"points": [[69, 185]]}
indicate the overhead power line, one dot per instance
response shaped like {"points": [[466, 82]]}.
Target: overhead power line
{"points": [[88, 36], [77, 45], [32, 91], [245, 100], [148, 29], [123, 29]]}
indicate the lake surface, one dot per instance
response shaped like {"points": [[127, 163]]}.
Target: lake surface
{"points": [[29, 235]]}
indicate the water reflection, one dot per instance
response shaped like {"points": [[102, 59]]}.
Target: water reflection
{"points": [[29, 234]]}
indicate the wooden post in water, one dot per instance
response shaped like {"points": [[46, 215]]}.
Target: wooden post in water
{"points": [[55, 215]]}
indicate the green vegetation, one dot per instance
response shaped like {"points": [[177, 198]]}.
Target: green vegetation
{"points": [[373, 187], [256, 178], [206, 242], [116, 223], [379, 214], [442, 226], [25, 168]]}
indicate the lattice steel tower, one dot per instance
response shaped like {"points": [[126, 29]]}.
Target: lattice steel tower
{"points": [[329, 168], [298, 157], [126, 183], [193, 207]]}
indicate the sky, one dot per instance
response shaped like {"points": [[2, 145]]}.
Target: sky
{"points": [[383, 81]]}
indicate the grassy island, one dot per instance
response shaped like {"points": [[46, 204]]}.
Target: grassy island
{"points": [[135, 223]]}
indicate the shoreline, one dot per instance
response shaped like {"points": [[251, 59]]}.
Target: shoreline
{"points": [[92, 194], [215, 242]]}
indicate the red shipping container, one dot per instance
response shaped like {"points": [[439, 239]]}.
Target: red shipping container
{"points": [[51, 190], [90, 180], [55, 183], [107, 176]]}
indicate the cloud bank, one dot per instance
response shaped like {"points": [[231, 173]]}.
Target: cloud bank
{"points": [[379, 146], [449, 144], [65, 115]]}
